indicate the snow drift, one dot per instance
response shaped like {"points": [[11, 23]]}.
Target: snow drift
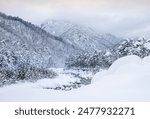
{"points": [[128, 79]]}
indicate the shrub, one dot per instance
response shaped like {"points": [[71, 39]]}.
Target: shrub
{"points": [[24, 73]]}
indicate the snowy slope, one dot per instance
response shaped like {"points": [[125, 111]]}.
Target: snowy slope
{"points": [[80, 36], [56, 28], [126, 80], [26, 41]]}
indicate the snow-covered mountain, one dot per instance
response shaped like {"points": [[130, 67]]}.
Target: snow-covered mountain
{"points": [[56, 27], [21, 41], [80, 36]]}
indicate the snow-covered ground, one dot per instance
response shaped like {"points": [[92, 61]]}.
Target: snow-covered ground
{"points": [[128, 79]]}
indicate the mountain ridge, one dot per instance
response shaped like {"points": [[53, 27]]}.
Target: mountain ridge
{"points": [[32, 44], [80, 35], [21, 36]]}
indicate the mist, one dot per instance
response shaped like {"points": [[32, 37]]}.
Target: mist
{"points": [[123, 18]]}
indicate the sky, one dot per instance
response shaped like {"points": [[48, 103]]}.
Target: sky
{"points": [[125, 18]]}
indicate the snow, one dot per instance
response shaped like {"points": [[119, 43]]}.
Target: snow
{"points": [[122, 62], [58, 82], [126, 80], [56, 27], [108, 53], [80, 36], [147, 45]]}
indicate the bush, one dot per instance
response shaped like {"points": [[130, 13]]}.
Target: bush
{"points": [[24, 73], [105, 58], [96, 60]]}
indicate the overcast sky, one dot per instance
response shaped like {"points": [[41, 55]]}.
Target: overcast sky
{"points": [[127, 18]]}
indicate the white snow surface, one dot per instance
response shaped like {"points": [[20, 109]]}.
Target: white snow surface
{"points": [[128, 79], [147, 45]]}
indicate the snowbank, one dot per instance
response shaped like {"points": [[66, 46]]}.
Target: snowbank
{"points": [[124, 61], [128, 79]]}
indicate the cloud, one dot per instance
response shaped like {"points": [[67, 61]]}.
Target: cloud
{"points": [[120, 17]]}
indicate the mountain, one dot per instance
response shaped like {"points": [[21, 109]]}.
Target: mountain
{"points": [[80, 36], [21, 41], [56, 27]]}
